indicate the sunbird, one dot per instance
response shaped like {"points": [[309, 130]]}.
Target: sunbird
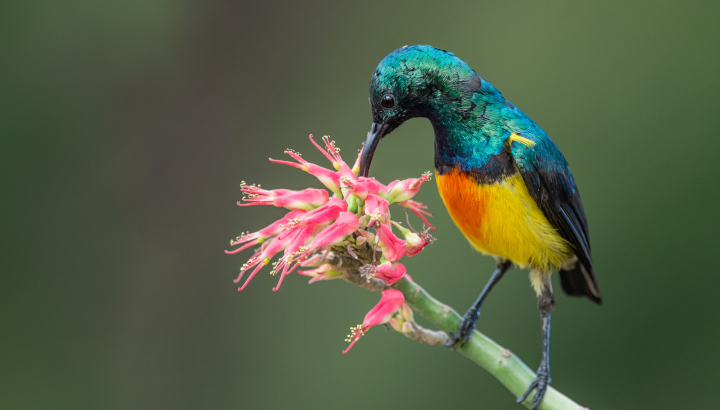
{"points": [[504, 182]]}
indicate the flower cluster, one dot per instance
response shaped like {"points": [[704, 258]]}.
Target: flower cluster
{"points": [[353, 216]]}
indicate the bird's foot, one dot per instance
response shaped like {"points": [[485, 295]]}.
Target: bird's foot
{"points": [[540, 385], [465, 329]]}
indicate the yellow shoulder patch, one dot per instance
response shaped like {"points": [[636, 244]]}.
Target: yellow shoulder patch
{"points": [[525, 141]]}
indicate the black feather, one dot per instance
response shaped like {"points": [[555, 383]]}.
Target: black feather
{"points": [[574, 283], [557, 196]]}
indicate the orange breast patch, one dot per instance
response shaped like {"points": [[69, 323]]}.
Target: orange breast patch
{"points": [[502, 219]]}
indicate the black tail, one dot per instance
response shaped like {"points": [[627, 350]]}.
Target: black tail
{"points": [[580, 282]]}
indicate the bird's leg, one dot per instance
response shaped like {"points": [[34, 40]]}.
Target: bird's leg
{"points": [[468, 322], [546, 303]]}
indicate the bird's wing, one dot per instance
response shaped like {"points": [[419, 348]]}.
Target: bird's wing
{"points": [[551, 184]]}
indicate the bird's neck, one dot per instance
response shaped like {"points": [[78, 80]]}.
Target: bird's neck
{"points": [[468, 132]]}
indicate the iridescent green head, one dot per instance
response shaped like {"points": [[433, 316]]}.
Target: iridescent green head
{"points": [[417, 81]]}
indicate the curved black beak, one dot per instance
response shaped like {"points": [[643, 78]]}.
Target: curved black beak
{"points": [[377, 131]]}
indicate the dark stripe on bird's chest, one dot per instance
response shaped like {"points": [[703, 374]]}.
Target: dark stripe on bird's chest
{"points": [[495, 169]]}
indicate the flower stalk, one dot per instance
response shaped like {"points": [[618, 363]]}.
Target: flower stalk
{"points": [[500, 362], [483, 351]]}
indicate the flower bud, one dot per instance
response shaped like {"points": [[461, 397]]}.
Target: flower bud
{"points": [[356, 166], [396, 324], [407, 329], [407, 313], [400, 191], [415, 241]]}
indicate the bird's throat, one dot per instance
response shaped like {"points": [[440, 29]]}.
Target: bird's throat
{"points": [[466, 145]]}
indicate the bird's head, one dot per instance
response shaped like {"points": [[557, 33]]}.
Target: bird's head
{"points": [[416, 81]]}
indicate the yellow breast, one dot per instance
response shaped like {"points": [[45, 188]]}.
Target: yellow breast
{"points": [[502, 219]]}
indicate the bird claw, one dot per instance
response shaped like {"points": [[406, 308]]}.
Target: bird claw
{"points": [[540, 385], [465, 329]]}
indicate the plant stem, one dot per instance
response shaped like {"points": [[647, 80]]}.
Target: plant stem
{"points": [[498, 361]]}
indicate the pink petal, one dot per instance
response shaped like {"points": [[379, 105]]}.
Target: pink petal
{"points": [[377, 208], [390, 302], [393, 248], [330, 179], [346, 224], [390, 272], [256, 270], [307, 199], [363, 186]]}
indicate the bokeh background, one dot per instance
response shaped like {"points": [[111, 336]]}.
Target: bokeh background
{"points": [[127, 126]]}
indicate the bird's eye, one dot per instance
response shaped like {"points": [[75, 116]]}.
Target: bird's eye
{"points": [[388, 101]]}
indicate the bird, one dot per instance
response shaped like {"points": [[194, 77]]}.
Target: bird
{"points": [[504, 182]]}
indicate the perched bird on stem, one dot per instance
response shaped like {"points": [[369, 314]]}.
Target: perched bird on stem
{"points": [[503, 180]]}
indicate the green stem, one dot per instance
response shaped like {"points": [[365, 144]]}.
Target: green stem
{"points": [[498, 361]]}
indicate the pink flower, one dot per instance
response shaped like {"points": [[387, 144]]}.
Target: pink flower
{"points": [[306, 199], [415, 241], [362, 187], [256, 238], [344, 225], [390, 272], [320, 216], [297, 230], [262, 258], [400, 191], [393, 248], [322, 272], [377, 208], [326, 213], [389, 304], [293, 251], [333, 154], [330, 179], [418, 209], [291, 241]]}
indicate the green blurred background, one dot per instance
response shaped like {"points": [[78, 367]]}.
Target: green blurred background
{"points": [[127, 126]]}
